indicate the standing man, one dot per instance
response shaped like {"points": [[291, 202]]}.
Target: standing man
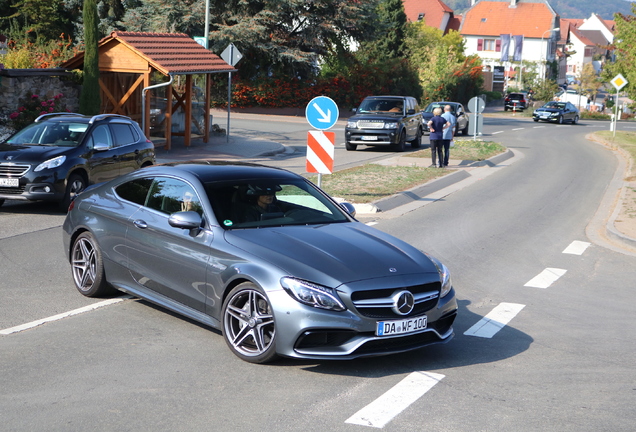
{"points": [[449, 133], [437, 126]]}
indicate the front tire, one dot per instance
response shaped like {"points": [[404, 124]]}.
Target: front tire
{"points": [[74, 186], [350, 147], [248, 324], [417, 142], [575, 120], [400, 146], [88, 268], [560, 120]]}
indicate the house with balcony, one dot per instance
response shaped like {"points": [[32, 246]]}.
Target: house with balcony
{"points": [[501, 33]]}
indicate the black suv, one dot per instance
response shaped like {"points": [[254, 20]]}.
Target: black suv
{"points": [[515, 102], [57, 156], [385, 121]]}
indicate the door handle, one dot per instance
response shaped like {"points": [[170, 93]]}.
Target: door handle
{"points": [[140, 224]]}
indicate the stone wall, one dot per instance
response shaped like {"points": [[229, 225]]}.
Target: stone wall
{"points": [[46, 83]]}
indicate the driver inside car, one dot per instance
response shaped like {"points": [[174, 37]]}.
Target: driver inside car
{"points": [[264, 202]]}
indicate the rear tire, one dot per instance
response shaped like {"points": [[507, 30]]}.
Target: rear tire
{"points": [[350, 147], [465, 130]]}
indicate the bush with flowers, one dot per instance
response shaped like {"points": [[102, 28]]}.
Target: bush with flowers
{"points": [[32, 106]]}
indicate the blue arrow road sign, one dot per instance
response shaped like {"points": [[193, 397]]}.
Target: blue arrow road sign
{"points": [[322, 113]]}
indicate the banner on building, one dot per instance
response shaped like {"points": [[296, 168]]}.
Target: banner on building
{"points": [[505, 47], [518, 47]]}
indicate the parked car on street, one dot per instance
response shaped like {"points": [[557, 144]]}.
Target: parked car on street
{"points": [[385, 121], [516, 101], [261, 254], [456, 108], [557, 112], [60, 154]]}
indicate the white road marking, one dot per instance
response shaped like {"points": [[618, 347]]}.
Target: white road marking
{"points": [[382, 410], [88, 308], [546, 278], [576, 247], [518, 128], [498, 132], [497, 319]]}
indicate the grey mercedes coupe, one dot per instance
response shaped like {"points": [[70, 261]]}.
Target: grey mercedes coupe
{"points": [[261, 254]]}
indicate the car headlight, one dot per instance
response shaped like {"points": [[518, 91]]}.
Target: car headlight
{"points": [[51, 163], [444, 276], [312, 294], [390, 125], [352, 125]]}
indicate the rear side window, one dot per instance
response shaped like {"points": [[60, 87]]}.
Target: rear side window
{"points": [[124, 134], [135, 191]]}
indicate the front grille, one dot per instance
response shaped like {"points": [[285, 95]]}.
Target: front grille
{"points": [[378, 304], [404, 343], [13, 170], [371, 124], [12, 191]]}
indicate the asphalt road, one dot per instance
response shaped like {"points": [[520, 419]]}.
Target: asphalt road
{"points": [[556, 355]]}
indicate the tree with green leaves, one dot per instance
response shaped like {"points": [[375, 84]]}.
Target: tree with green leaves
{"points": [[288, 37], [163, 16], [90, 100], [445, 73], [625, 50], [44, 19], [390, 32]]}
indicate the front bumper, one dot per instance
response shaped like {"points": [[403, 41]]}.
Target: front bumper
{"points": [[35, 187], [372, 136], [309, 333]]}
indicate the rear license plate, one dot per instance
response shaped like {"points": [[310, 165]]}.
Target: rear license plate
{"points": [[411, 325], [369, 138], [9, 182]]}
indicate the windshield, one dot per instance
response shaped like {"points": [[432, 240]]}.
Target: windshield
{"points": [[63, 134], [557, 105], [382, 105], [431, 107], [269, 202]]}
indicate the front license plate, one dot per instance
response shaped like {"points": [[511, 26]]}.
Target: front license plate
{"points": [[411, 325], [9, 182], [369, 138]]}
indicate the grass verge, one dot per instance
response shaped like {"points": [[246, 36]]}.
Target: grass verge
{"points": [[624, 140], [371, 182]]}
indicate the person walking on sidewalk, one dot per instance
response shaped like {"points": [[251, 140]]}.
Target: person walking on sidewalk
{"points": [[449, 132], [436, 126]]}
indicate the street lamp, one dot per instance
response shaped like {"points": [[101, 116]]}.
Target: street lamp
{"points": [[542, 50]]}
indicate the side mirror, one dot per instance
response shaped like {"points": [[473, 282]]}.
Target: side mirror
{"points": [[101, 147], [411, 111], [349, 208], [354, 110], [189, 220]]}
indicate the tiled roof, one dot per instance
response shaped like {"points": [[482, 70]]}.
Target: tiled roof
{"points": [[433, 11], [169, 53], [493, 18]]}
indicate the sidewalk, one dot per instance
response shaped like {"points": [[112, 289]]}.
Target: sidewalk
{"points": [[461, 174]]}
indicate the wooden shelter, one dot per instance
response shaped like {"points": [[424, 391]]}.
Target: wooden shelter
{"points": [[127, 61]]}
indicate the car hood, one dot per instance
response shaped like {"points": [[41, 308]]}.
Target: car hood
{"points": [[427, 115], [30, 153], [332, 254], [551, 110], [370, 116]]}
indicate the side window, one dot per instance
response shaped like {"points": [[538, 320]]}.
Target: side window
{"points": [[123, 133], [135, 191], [100, 135], [169, 196]]}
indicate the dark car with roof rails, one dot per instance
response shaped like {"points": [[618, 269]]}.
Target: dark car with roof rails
{"points": [[385, 121], [60, 154]]}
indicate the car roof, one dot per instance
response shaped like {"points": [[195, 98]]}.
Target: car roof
{"points": [[211, 171], [65, 117]]}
